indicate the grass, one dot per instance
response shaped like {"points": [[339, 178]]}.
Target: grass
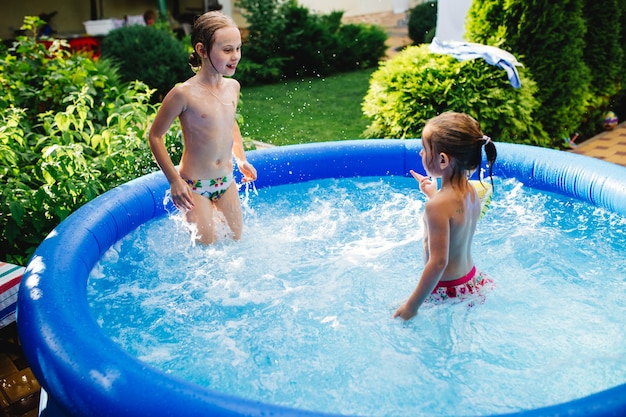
{"points": [[306, 110]]}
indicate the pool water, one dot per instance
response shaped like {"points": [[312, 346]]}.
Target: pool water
{"points": [[298, 313]]}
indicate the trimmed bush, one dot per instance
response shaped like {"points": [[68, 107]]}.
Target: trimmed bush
{"points": [[148, 54], [423, 22], [286, 40], [603, 55], [417, 85], [618, 102], [548, 38]]}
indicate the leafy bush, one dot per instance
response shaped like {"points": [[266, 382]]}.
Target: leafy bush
{"points": [[416, 85], [423, 22], [261, 62], [69, 130], [548, 38], [360, 46], [149, 54], [603, 52], [618, 102], [286, 40], [621, 7], [604, 56]]}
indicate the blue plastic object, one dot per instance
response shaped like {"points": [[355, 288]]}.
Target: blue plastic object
{"points": [[84, 373]]}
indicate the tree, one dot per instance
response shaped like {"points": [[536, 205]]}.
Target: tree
{"points": [[549, 39], [603, 54], [618, 102]]}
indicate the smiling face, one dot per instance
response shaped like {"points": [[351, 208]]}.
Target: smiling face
{"points": [[226, 50]]}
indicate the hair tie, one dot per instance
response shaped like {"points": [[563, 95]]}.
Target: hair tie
{"points": [[487, 139]]}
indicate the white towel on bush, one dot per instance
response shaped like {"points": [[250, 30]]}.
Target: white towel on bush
{"points": [[468, 50]]}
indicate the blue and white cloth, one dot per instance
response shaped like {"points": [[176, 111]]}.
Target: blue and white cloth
{"points": [[468, 50], [10, 277]]}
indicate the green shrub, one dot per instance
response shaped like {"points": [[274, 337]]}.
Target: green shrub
{"points": [[423, 22], [286, 40], [261, 62], [548, 38], [416, 85], [621, 8], [148, 54], [360, 46], [69, 130], [618, 102], [603, 55], [309, 41]]}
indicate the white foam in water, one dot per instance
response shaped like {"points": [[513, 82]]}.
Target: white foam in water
{"points": [[298, 312]]}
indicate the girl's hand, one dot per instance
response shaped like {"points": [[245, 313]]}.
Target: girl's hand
{"points": [[427, 186], [181, 195], [248, 171], [404, 312]]}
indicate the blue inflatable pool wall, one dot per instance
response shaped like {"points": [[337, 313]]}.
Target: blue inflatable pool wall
{"points": [[84, 373]]}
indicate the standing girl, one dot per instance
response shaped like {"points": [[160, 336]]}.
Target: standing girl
{"points": [[452, 146], [206, 106]]}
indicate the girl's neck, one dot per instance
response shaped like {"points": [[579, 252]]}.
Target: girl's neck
{"points": [[459, 182], [207, 75], [210, 80]]}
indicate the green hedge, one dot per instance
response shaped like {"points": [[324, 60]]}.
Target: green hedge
{"points": [[603, 55], [286, 40], [548, 38], [69, 130], [423, 22], [149, 54], [416, 85]]}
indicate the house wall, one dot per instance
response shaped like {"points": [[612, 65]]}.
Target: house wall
{"points": [[357, 7], [72, 13]]}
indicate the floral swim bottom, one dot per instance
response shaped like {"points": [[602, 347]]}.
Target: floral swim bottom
{"points": [[211, 189], [462, 288]]}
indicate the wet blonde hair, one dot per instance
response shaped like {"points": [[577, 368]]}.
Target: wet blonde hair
{"points": [[204, 28]]}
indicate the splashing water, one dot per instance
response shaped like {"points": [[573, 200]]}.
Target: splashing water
{"points": [[298, 312]]}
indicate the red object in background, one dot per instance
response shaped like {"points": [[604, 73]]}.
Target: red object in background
{"points": [[86, 44]]}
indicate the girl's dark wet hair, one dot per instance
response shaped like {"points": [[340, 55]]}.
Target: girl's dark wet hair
{"points": [[458, 135], [204, 28]]}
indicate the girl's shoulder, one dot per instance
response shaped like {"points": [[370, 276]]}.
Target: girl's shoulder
{"points": [[233, 83], [441, 201], [181, 87], [448, 202]]}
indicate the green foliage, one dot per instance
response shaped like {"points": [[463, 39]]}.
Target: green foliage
{"points": [[360, 46], [416, 85], [263, 56], [286, 40], [618, 102], [423, 22], [621, 9], [148, 54], [603, 52], [603, 55], [69, 130], [548, 38]]}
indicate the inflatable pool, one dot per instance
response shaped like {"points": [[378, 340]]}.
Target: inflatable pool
{"points": [[84, 373]]}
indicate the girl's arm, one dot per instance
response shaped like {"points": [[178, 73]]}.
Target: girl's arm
{"points": [[173, 105], [246, 168], [438, 226]]}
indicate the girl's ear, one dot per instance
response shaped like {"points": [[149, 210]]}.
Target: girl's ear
{"points": [[200, 49], [444, 160]]}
